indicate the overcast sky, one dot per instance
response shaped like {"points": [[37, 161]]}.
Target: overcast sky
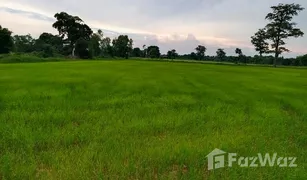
{"points": [[178, 24]]}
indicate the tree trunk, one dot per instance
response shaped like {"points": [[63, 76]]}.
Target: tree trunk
{"points": [[73, 52], [275, 60], [276, 56], [277, 49]]}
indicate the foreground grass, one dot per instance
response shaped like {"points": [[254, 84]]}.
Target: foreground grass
{"points": [[148, 120]]}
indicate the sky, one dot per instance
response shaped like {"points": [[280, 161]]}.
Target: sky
{"points": [[170, 24]]}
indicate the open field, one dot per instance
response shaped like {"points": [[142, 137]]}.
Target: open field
{"points": [[148, 120]]}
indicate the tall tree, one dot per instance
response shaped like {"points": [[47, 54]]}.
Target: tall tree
{"points": [[281, 26], [71, 29], [221, 54], [136, 52], [144, 51], [240, 54], [122, 46], [259, 41], [96, 43], [172, 54], [6, 42], [153, 51], [106, 47], [239, 51], [130, 46], [200, 51]]}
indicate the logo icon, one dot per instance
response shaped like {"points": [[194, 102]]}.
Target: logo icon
{"points": [[216, 159]]}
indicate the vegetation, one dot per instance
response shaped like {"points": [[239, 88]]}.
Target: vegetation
{"points": [[28, 58], [200, 52], [172, 54], [142, 119], [95, 44], [259, 41], [240, 54], [6, 43], [72, 29], [77, 40], [301, 60], [122, 46], [280, 28], [153, 52], [147, 120], [137, 52], [221, 54]]}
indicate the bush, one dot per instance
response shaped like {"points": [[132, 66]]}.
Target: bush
{"points": [[22, 58]]}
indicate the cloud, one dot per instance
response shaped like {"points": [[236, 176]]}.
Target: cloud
{"points": [[25, 23], [31, 15], [180, 24]]}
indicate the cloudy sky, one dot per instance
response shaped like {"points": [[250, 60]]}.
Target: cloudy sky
{"points": [[178, 24]]}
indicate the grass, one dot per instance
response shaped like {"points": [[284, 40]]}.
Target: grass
{"points": [[148, 120]]}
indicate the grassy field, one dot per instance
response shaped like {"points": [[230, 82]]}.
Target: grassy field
{"points": [[148, 120]]}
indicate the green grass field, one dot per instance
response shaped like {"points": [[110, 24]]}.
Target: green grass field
{"points": [[148, 120]]}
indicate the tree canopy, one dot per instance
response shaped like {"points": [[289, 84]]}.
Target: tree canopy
{"points": [[221, 54], [281, 27], [24, 43], [95, 43], [200, 51], [259, 41], [6, 42], [136, 52], [71, 29], [122, 46], [172, 54], [153, 51]]}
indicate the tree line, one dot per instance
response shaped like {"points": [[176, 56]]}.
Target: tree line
{"points": [[77, 39]]}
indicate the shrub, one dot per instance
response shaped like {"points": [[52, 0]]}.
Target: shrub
{"points": [[22, 58]]}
